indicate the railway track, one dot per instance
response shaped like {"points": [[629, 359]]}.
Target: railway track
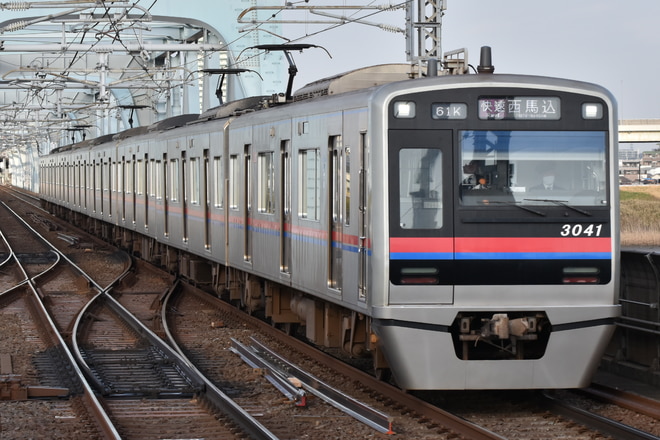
{"points": [[147, 389], [493, 414], [192, 314], [73, 307], [203, 327], [617, 413], [35, 359]]}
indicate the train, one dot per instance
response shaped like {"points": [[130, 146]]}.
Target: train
{"points": [[460, 230]]}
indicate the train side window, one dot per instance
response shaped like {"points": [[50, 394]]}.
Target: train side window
{"points": [[218, 177], [420, 188], [234, 181], [139, 178], [309, 184], [86, 177], [113, 176], [97, 177], [156, 178], [151, 175], [120, 177], [174, 180], [128, 167], [266, 183], [194, 180]]}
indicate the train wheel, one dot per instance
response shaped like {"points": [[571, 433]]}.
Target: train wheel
{"points": [[288, 328], [383, 374]]}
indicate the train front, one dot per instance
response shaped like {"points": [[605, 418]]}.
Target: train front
{"points": [[496, 265]]}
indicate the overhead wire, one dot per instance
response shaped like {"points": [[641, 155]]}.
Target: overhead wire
{"points": [[114, 29], [332, 26]]}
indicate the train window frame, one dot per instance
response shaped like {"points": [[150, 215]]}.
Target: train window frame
{"points": [[97, 177], [428, 201], [309, 184], [174, 180], [158, 176], [218, 178], [114, 171], [266, 182], [506, 167], [194, 180], [139, 177], [128, 175], [234, 182], [151, 176]]}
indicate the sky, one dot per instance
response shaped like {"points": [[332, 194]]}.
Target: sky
{"points": [[612, 43]]}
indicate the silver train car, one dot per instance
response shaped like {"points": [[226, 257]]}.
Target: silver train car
{"points": [[461, 230]]}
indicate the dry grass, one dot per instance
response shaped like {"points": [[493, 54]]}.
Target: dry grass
{"points": [[640, 215]]}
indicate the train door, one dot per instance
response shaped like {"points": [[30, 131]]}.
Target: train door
{"points": [[98, 188], [336, 210], [285, 206], [164, 183], [146, 190], [184, 198], [420, 216], [125, 174], [362, 219], [205, 200], [133, 190], [247, 203], [69, 186], [109, 186], [76, 183], [86, 183], [105, 188]]}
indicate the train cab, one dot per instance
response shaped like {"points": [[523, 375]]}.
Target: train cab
{"points": [[501, 225]]}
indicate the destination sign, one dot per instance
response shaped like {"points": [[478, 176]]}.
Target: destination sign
{"points": [[520, 108], [448, 110]]}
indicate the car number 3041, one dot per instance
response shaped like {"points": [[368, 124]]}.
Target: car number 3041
{"points": [[581, 230]]}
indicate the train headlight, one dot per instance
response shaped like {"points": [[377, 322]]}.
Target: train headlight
{"points": [[404, 109], [592, 110]]}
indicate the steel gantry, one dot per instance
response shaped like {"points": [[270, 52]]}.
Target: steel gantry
{"points": [[84, 68]]}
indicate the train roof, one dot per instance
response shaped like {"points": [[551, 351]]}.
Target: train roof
{"points": [[357, 79], [129, 133], [252, 103], [170, 123]]}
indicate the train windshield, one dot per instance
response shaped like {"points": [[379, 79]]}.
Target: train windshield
{"points": [[533, 167], [420, 187]]}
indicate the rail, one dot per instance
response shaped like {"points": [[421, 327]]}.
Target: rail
{"points": [[422, 410], [89, 396], [609, 427], [218, 398], [624, 399]]}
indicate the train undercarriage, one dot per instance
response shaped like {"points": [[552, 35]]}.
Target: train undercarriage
{"points": [[322, 323]]}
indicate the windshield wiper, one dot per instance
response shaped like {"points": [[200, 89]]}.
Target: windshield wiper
{"points": [[563, 203], [523, 207]]}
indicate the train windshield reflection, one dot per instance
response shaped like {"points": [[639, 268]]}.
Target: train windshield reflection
{"points": [[533, 167]]}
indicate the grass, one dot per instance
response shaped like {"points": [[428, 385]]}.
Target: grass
{"points": [[640, 215]]}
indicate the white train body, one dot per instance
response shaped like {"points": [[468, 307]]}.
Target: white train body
{"points": [[401, 220]]}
